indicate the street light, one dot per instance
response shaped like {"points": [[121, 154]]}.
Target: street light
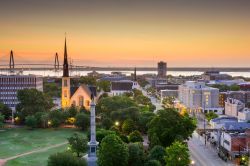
{"points": [[117, 123], [192, 162]]}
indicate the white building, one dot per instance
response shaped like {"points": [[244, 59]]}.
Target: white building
{"points": [[233, 106], [196, 95], [121, 87], [244, 115], [10, 84]]}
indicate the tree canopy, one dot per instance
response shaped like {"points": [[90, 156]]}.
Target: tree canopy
{"points": [[168, 125], [136, 154], [5, 110], [32, 101], [78, 144], [109, 104], [112, 152], [177, 154], [157, 153]]}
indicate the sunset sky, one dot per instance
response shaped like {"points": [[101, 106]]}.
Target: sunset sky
{"points": [[211, 33]]}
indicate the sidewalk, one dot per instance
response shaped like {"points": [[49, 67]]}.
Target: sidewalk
{"points": [[204, 155]]}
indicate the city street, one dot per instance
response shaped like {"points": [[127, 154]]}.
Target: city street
{"points": [[201, 155], [204, 155], [153, 100]]}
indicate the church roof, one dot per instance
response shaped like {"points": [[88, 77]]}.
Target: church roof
{"points": [[88, 89], [122, 85]]}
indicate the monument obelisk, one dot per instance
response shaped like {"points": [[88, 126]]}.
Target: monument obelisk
{"points": [[92, 158]]}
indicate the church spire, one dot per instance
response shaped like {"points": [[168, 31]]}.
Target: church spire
{"points": [[135, 77], [65, 62]]}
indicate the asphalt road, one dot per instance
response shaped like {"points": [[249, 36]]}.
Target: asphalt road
{"points": [[204, 155]]}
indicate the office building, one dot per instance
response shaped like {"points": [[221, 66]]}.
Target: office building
{"points": [[233, 106], [10, 84], [215, 75], [162, 69], [196, 95]]}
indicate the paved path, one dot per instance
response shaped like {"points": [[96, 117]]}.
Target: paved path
{"points": [[3, 161], [204, 155]]}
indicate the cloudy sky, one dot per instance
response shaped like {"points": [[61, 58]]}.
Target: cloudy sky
{"points": [[186, 33]]}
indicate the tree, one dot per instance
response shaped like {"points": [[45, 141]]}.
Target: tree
{"points": [[168, 102], [104, 85], [235, 87], [39, 118], [31, 121], [128, 126], [72, 111], [168, 125], [211, 115], [157, 153], [56, 118], [32, 101], [153, 163], [144, 119], [136, 154], [112, 152], [177, 154], [109, 104], [88, 80], [78, 144], [52, 89], [135, 136], [1, 120], [107, 123], [125, 113], [143, 82], [44, 120], [65, 159], [137, 93], [5, 110], [100, 134], [82, 121]]}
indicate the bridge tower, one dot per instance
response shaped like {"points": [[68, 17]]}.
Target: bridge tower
{"points": [[12, 63], [56, 62]]}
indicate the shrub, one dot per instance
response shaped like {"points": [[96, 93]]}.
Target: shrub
{"points": [[82, 121], [65, 159], [31, 121]]}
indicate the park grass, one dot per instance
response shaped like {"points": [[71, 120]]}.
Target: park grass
{"points": [[20, 140], [35, 159]]}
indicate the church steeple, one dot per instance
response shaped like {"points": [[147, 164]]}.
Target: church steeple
{"points": [[65, 80], [135, 77], [65, 62]]}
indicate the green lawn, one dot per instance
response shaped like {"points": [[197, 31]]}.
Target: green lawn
{"points": [[35, 159], [21, 140]]}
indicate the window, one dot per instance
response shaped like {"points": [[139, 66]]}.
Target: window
{"points": [[65, 83], [92, 149], [87, 103], [81, 101], [65, 93], [74, 103]]}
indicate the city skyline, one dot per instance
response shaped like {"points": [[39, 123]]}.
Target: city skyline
{"points": [[131, 33]]}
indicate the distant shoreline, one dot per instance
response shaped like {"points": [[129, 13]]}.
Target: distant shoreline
{"points": [[198, 69]]}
